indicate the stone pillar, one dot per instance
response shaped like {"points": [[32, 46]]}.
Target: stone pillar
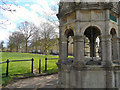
{"points": [[119, 34], [79, 51], [115, 49], [64, 49], [110, 80], [60, 42], [103, 50], [67, 76], [108, 51], [119, 50], [62, 57], [74, 47], [109, 70]]}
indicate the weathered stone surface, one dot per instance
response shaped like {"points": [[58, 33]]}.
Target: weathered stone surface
{"points": [[89, 72]]}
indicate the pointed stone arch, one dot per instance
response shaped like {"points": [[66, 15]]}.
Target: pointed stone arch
{"points": [[69, 33], [114, 44]]}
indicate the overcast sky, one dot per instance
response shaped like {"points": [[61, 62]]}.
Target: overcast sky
{"points": [[35, 11]]}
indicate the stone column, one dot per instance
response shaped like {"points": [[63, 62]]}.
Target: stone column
{"points": [[74, 47], [103, 50], [79, 49], [109, 70], [110, 80], [119, 35], [108, 51], [115, 49], [119, 50], [62, 57], [64, 49]]}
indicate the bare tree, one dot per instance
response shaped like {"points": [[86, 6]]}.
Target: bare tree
{"points": [[15, 40], [35, 42], [52, 16], [47, 34], [11, 44], [27, 29], [6, 5], [1, 46]]}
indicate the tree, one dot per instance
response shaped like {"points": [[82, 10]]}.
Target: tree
{"points": [[11, 44], [35, 42], [6, 6], [16, 39], [52, 18], [1, 46], [27, 29], [47, 34]]}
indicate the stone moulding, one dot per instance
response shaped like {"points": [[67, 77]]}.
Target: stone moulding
{"points": [[81, 6]]}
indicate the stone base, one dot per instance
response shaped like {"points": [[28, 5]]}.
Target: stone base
{"points": [[89, 77]]}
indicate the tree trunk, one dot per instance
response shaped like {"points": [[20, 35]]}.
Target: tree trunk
{"points": [[17, 49], [26, 47], [11, 49]]}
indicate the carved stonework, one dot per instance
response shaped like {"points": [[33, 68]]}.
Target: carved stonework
{"points": [[94, 28]]}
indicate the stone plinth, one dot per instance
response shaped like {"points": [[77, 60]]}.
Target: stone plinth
{"points": [[72, 75]]}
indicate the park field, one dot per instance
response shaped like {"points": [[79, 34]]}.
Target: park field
{"points": [[21, 69]]}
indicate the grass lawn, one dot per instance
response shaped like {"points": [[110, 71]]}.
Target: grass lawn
{"points": [[19, 69]]}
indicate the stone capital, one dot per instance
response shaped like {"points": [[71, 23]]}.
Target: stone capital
{"points": [[78, 38], [116, 39], [108, 37]]}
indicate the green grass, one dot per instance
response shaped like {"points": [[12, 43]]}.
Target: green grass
{"points": [[20, 69]]}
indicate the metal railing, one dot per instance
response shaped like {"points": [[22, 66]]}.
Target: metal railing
{"points": [[46, 59], [8, 61]]}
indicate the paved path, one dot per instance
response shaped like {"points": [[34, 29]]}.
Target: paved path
{"points": [[49, 81]]}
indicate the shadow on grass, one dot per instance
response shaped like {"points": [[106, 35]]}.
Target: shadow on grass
{"points": [[17, 75], [51, 71]]}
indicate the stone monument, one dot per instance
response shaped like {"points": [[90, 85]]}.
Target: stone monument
{"points": [[96, 25]]}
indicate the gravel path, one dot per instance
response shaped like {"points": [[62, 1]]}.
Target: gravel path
{"points": [[49, 81]]}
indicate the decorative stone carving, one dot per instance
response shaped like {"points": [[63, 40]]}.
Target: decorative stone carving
{"points": [[91, 71]]}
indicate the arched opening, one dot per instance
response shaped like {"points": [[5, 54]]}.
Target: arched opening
{"points": [[113, 44], [69, 35], [92, 44]]}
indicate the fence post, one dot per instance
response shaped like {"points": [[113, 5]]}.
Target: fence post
{"points": [[7, 67], [45, 64], [39, 66], [32, 66]]}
